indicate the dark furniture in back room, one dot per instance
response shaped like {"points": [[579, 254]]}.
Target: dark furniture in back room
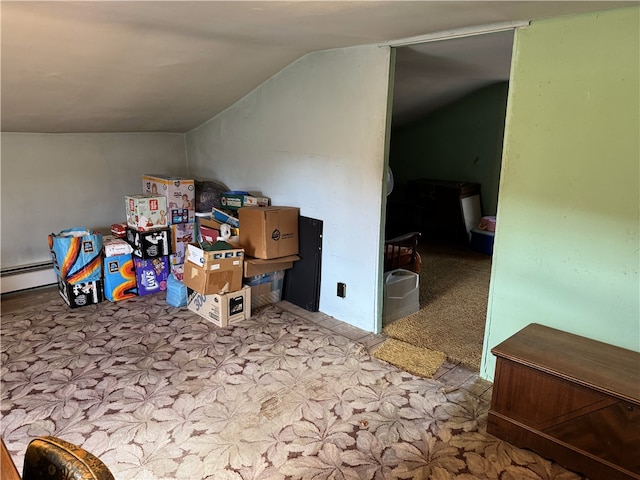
{"points": [[444, 209]]}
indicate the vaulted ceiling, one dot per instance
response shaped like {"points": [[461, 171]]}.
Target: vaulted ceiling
{"points": [[112, 66]]}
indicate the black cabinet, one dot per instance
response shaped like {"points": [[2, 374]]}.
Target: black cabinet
{"points": [[302, 282]]}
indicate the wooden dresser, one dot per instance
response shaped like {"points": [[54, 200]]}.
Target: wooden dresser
{"points": [[571, 399]]}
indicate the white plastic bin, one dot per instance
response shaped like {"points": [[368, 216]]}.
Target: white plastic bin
{"points": [[401, 294]]}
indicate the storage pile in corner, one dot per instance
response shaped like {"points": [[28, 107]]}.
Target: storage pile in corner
{"points": [[165, 246]]}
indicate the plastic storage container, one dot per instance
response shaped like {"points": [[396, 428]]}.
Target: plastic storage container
{"points": [[482, 241], [401, 294]]}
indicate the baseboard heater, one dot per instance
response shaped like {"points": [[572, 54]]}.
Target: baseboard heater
{"points": [[24, 277]]}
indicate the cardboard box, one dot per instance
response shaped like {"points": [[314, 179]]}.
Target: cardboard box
{"points": [[179, 192], [221, 310], [182, 234], [146, 212], [213, 272], [211, 259], [258, 266], [151, 275], [266, 288], [115, 246], [236, 200], [119, 278], [80, 294], [269, 232], [153, 244]]}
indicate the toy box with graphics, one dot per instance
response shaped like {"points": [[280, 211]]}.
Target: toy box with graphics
{"points": [[146, 212], [179, 192], [80, 294], [153, 244], [151, 274], [119, 278]]}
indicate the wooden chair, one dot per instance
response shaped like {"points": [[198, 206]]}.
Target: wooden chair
{"points": [[51, 458], [402, 252]]}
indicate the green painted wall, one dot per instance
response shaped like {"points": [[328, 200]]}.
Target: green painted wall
{"points": [[461, 141], [567, 244]]}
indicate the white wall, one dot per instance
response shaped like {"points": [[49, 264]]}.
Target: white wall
{"points": [[55, 181], [313, 136]]}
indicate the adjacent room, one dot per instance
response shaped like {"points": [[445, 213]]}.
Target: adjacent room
{"points": [[526, 114], [449, 104]]}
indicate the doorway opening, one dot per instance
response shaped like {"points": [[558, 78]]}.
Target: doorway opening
{"points": [[445, 155]]}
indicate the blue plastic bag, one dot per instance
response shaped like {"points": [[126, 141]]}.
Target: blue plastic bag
{"points": [[76, 254]]}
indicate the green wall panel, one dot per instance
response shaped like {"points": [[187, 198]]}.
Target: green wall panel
{"points": [[567, 244]]}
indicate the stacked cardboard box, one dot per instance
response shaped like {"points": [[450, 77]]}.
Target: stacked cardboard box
{"points": [[179, 194], [213, 275], [159, 223], [269, 236], [263, 244]]}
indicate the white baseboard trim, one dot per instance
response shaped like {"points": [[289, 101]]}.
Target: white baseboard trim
{"points": [[26, 280]]}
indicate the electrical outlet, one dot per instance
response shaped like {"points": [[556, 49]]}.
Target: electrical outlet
{"points": [[342, 289]]}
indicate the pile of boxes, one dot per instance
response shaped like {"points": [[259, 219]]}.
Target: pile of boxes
{"points": [[225, 281], [231, 260], [160, 223]]}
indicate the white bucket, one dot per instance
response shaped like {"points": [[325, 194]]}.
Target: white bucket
{"points": [[401, 294]]}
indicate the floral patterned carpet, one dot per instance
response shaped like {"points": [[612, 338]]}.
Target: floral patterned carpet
{"points": [[160, 393]]}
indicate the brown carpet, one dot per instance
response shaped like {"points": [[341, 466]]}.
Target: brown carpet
{"points": [[454, 286]]}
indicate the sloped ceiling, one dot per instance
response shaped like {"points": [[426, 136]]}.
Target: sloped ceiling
{"points": [[169, 66]]}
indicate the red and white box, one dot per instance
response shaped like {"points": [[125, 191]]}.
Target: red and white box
{"points": [[114, 246], [146, 212]]}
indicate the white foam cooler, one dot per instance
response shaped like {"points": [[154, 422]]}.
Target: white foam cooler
{"points": [[401, 294]]}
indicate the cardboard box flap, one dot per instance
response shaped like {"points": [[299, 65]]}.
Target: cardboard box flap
{"points": [[258, 266]]}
